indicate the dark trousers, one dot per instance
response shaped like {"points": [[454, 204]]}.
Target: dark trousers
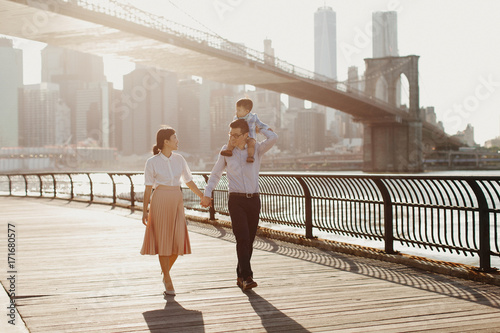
{"points": [[244, 214]]}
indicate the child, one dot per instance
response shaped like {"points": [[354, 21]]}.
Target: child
{"points": [[243, 108]]}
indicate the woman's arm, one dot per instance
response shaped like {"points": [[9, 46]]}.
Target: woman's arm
{"points": [[195, 189], [145, 204]]}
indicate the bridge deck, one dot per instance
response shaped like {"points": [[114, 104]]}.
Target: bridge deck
{"points": [[79, 270]]}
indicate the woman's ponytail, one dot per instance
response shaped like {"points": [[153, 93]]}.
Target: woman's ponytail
{"points": [[162, 135]]}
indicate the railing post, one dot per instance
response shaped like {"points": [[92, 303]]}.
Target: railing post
{"points": [[72, 195], [132, 195], [484, 227], [91, 187], [25, 185], [308, 206], [10, 185], [114, 187], [211, 209], [388, 218], [54, 182], [41, 184]]}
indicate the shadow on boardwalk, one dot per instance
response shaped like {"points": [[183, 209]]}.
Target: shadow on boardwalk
{"points": [[174, 318], [405, 276]]}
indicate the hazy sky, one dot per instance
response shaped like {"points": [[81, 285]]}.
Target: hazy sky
{"points": [[457, 41]]}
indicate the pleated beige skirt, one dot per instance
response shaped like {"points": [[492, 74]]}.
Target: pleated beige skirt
{"points": [[166, 232]]}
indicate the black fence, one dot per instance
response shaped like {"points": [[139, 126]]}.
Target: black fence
{"points": [[455, 214]]}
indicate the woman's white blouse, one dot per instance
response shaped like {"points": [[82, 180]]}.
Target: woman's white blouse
{"points": [[170, 171]]}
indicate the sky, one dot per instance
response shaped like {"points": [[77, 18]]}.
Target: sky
{"points": [[457, 42]]}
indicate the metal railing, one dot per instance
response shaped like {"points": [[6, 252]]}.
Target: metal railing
{"points": [[455, 214]]}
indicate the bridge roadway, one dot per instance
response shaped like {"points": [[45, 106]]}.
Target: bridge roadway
{"points": [[79, 270], [185, 50]]}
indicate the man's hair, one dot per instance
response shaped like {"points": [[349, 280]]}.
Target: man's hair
{"points": [[246, 103], [241, 124]]}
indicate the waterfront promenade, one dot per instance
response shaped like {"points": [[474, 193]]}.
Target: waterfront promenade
{"points": [[78, 269]]}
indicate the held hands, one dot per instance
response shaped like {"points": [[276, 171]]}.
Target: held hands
{"points": [[206, 202]]}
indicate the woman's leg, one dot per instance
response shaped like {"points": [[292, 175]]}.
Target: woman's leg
{"points": [[166, 263]]}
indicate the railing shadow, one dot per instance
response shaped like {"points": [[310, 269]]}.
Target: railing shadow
{"points": [[407, 276], [174, 318], [273, 320]]}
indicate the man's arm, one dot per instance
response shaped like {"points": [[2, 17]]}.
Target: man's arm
{"points": [[215, 176], [267, 144]]}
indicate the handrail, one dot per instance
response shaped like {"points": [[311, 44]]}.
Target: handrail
{"points": [[454, 214]]}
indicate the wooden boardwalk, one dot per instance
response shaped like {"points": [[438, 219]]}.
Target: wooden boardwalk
{"points": [[79, 270]]}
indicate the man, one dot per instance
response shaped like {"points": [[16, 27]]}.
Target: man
{"points": [[244, 201]]}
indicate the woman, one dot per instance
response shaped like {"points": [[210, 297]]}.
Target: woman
{"points": [[166, 230]]}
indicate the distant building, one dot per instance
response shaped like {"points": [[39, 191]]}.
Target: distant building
{"points": [[493, 143], [385, 44], [222, 108], [11, 80], [149, 100], [325, 42], [429, 114], [75, 72], [44, 118], [309, 133], [467, 136], [385, 34], [194, 116]]}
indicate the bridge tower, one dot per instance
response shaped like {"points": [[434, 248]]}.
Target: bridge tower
{"points": [[393, 145]]}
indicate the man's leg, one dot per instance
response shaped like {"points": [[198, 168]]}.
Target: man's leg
{"points": [[253, 211], [239, 222]]}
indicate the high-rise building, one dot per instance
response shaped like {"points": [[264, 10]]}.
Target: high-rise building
{"points": [[194, 116], [325, 42], [44, 118], [11, 80], [222, 108], [309, 131], [385, 44], [385, 34], [149, 100], [75, 72]]}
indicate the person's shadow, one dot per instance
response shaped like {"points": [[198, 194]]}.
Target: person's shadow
{"points": [[174, 318], [273, 320]]}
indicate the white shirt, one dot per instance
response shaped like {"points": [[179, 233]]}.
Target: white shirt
{"points": [[243, 177], [163, 170]]}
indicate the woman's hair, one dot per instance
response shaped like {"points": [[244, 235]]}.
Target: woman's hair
{"points": [[162, 135]]}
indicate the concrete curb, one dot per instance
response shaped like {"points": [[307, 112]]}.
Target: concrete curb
{"points": [[441, 267]]}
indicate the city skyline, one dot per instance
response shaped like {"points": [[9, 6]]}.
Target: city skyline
{"points": [[457, 76]]}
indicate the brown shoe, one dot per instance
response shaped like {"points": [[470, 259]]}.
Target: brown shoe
{"points": [[249, 283], [226, 152], [250, 159], [239, 282]]}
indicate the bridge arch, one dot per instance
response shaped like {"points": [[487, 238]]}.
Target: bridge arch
{"points": [[391, 69]]}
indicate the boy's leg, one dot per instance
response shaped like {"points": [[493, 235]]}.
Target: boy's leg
{"points": [[228, 151], [251, 150]]}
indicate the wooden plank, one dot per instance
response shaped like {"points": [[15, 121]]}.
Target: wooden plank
{"points": [[79, 270]]}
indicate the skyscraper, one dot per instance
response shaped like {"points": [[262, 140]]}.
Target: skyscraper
{"points": [[44, 118], [325, 42], [385, 34], [149, 100], [74, 72], [385, 44], [11, 80]]}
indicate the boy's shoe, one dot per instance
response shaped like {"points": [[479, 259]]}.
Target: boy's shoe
{"points": [[226, 152], [250, 159]]}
